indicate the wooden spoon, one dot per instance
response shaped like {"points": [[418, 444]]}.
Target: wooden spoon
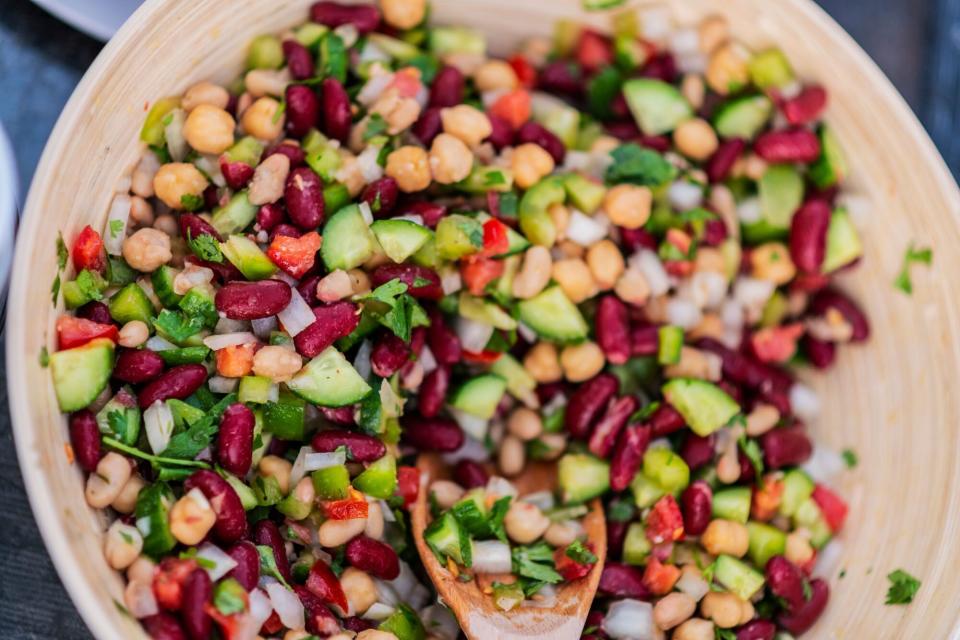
{"points": [[475, 610]]}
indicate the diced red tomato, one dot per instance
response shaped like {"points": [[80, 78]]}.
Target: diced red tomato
{"points": [[88, 251], [230, 625], [75, 332], [659, 578], [478, 272], [678, 268], [168, 582], [495, 240], [295, 255], [776, 344], [665, 522], [407, 82], [524, 70], [347, 509], [513, 106], [833, 507], [323, 583], [408, 484], [481, 357], [766, 499], [272, 624], [594, 50], [569, 568]]}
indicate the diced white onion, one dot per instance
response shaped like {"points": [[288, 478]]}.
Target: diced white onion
{"points": [[250, 624], [222, 341], [210, 165], [472, 449], [191, 276], [386, 594], [585, 230], [752, 294], [473, 335], [219, 384], [488, 98], [859, 207], [684, 195], [791, 90], [140, 600], [500, 487], [630, 619], [299, 468], [828, 559], [683, 313], [158, 421], [374, 87], [118, 217], [173, 132], [824, 465], [263, 326], [372, 53], [749, 211], [228, 325], [144, 283], [528, 334], [156, 343], [685, 40], [371, 170], [694, 62], [804, 402], [648, 263], [693, 585], [415, 218], [214, 555], [655, 23], [542, 499], [450, 280], [287, 605], [440, 621], [491, 556], [472, 425], [415, 594], [273, 392], [317, 461], [546, 598], [706, 289], [349, 34], [427, 360], [390, 403], [297, 315], [366, 212], [286, 277], [379, 611], [362, 362]]}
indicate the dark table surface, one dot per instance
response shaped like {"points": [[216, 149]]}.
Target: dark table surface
{"points": [[41, 60]]}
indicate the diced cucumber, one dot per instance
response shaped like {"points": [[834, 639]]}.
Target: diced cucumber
{"points": [[329, 380], [162, 281], [347, 240], [131, 303], [520, 384], [153, 127], [551, 314], [444, 537], [379, 479], [248, 498], [447, 40], [335, 196], [762, 231], [645, 491], [843, 242], [600, 5], [184, 414], [703, 405], [585, 194], [770, 69], [246, 150], [667, 469], [732, 503], [126, 430], [636, 546], [765, 542], [657, 107], [325, 161], [810, 517], [199, 301], [831, 167], [153, 514], [738, 577], [457, 236], [743, 117], [532, 212], [235, 216], [797, 488], [559, 118], [76, 295], [265, 52], [480, 395], [566, 35], [628, 52], [480, 310], [582, 477], [400, 239], [484, 179], [427, 256], [254, 389], [331, 483], [394, 47], [285, 418], [781, 193], [247, 256], [184, 355], [404, 624], [81, 373], [775, 310], [294, 508], [670, 344]]}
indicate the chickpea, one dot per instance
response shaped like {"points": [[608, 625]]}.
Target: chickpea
{"points": [[374, 527], [673, 609], [574, 277], [107, 482], [205, 93], [530, 163], [359, 280], [747, 612], [771, 261], [375, 634], [628, 205], [269, 180], [209, 129], [410, 167], [142, 570], [709, 259], [141, 212], [446, 493], [141, 181], [147, 249], [168, 224], [267, 82], [398, 112], [277, 468], [632, 287], [694, 629], [133, 334], [798, 550], [569, 249], [333, 533], [403, 14], [580, 362], [554, 445], [754, 166], [560, 215], [727, 69], [763, 418], [450, 159], [723, 608], [525, 424], [175, 180], [122, 545], [603, 145], [334, 286], [714, 31], [606, 263], [534, 273], [695, 363], [126, 501], [711, 326], [512, 455], [191, 518], [696, 139], [525, 522], [694, 90], [543, 363], [277, 363], [560, 534], [262, 120], [725, 537], [728, 467], [494, 75], [468, 123], [360, 590]]}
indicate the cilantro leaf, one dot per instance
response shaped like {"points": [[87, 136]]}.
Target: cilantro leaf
{"points": [[44, 357], [912, 255], [177, 326], [159, 462], [621, 511], [268, 564], [266, 490], [55, 289], [751, 449], [645, 412], [116, 227], [205, 247], [280, 111], [903, 587], [191, 201], [376, 125], [91, 284], [535, 562], [62, 253], [472, 229], [724, 634], [497, 514], [579, 553], [229, 597], [850, 458], [396, 310], [200, 434], [494, 178], [637, 165]]}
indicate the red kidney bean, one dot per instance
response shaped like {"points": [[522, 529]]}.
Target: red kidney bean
{"points": [[608, 427], [431, 212], [231, 519], [163, 626], [501, 135], [806, 106], [96, 312], [433, 391], [295, 153], [470, 474], [247, 571], [339, 415], [137, 365], [616, 534], [625, 130], [628, 455], [408, 274], [375, 557], [745, 371], [697, 501], [362, 447], [304, 198], [299, 60], [538, 134], [389, 354], [644, 340], [561, 77], [357, 624], [791, 145], [211, 197], [178, 382], [786, 582], [785, 446], [661, 67], [613, 329], [800, 621], [307, 288], [224, 271], [432, 434], [665, 420], [303, 109], [85, 439], [319, 619], [337, 117], [235, 440], [747, 471], [444, 342], [322, 583], [253, 300], [266, 533], [382, 196], [660, 144], [235, 174], [285, 229], [757, 630], [731, 390], [586, 403], [270, 215], [820, 354], [428, 126], [334, 321], [365, 17], [619, 107], [714, 232], [833, 299], [721, 162], [776, 397], [193, 226], [697, 451], [197, 593], [808, 235], [623, 581], [447, 88], [418, 338]]}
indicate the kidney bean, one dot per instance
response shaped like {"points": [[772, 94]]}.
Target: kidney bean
{"points": [[665, 420], [163, 626], [433, 391], [270, 215], [833, 299], [747, 471], [294, 153], [623, 581], [375, 557], [197, 593], [285, 229], [253, 300], [303, 109], [447, 88], [428, 126], [431, 212], [334, 321], [586, 403], [235, 440], [337, 116], [137, 365], [608, 427], [625, 130], [745, 371], [820, 354], [299, 60], [307, 288], [561, 77], [785, 446], [791, 145], [432, 434], [85, 439], [721, 162], [714, 232], [628, 455], [538, 134], [613, 329], [697, 501], [362, 447], [635, 239], [757, 630], [357, 624], [644, 340], [177, 382], [806, 106], [320, 621], [322, 583], [193, 226], [365, 17], [247, 571], [501, 135], [697, 451], [382, 196], [808, 235], [444, 342], [731, 390], [418, 338], [235, 174], [661, 67], [776, 397], [786, 582], [619, 107], [231, 522], [211, 197], [616, 534], [389, 354], [96, 312], [224, 271], [339, 415], [470, 474], [266, 533], [304, 198], [408, 274]]}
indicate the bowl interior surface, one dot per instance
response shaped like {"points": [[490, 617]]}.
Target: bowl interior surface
{"points": [[892, 400]]}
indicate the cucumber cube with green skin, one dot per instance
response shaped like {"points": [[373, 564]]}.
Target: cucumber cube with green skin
{"points": [[781, 193], [335, 197], [294, 508], [733, 504], [532, 212], [797, 488], [400, 239], [503, 287], [743, 117], [404, 624], [285, 419], [325, 161], [184, 355], [235, 216], [247, 256], [254, 389], [457, 236], [443, 535], [347, 240], [628, 53], [480, 310], [152, 514], [153, 127], [657, 107], [125, 404], [248, 498], [309, 34], [447, 40], [427, 256], [265, 52], [480, 395], [246, 150], [379, 479], [585, 194], [636, 546], [329, 381], [809, 516], [666, 469], [184, 414], [738, 577], [765, 542], [843, 242], [81, 373], [775, 310], [394, 47], [703, 405], [770, 68], [331, 483], [85, 288], [582, 477], [520, 384], [561, 120], [485, 179], [831, 167], [670, 344], [553, 316], [162, 281], [645, 491]]}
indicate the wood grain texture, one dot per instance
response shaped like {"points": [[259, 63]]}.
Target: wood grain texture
{"points": [[894, 400]]}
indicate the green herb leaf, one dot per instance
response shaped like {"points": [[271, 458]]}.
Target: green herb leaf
{"points": [[198, 437], [205, 247], [55, 289], [912, 255], [645, 412], [279, 112], [177, 326], [903, 587], [268, 564], [473, 230], [91, 284], [158, 462], [116, 228], [621, 511], [724, 634], [636, 165], [191, 201], [751, 449], [850, 458], [339, 561], [579, 553], [498, 512], [376, 126], [62, 253], [229, 597], [602, 90], [494, 178], [266, 490], [44, 357], [535, 562]]}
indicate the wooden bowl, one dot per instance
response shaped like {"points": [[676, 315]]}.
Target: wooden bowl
{"points": [[893, 400]]}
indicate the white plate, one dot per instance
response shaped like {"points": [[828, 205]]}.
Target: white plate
{"points": [[8, 212], [98, 18]]}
